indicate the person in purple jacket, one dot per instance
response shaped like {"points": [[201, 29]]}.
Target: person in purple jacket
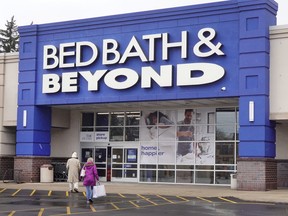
{"points": [[90, 178]]}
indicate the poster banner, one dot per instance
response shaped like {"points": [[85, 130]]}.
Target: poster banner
{"points": [[186, 136], [148, 153]]}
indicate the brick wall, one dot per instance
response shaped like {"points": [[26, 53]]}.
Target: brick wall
{"points": [[282, 173], [30, 167], [256, 174], [6, 163]]}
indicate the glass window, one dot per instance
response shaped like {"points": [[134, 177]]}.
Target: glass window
{"points": [[116, 133], [132, 118], [226, 119], [225, 153], [86, 153], [225, 132], [148, 175], [132, 134], [184, 146], [185, 176], [102, 120], [87, 122], [222, 178], [117, 119], [166, 175], [204, 177], [225, 116]]}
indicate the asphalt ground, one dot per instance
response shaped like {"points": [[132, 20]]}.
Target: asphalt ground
{"points": [[136, 199], [279, 196]]}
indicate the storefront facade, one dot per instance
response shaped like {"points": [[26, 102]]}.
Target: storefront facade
{"points": [[177, 95]]}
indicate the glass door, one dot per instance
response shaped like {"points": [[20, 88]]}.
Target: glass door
{"points": [[101, 162], [124, 164]]}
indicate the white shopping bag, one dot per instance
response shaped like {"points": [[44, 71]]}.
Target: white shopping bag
{"points": [[99, 190], [82, 173]]}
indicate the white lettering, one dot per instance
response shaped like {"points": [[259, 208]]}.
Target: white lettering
{"points": [[211, 73], [133, 45], [124, 78], [48, 57], [166, 45], [131, 78], [151, 39], [93, 79], [164, 79], [79, 48], [158, 45], [112, 50], [69, 82], [64, 54], [50, 83]]}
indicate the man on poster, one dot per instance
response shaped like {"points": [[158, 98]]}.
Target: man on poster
{"points": [[185, 134]]}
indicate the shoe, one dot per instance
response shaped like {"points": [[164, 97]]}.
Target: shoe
{"points": [[90, 200], [76, 190]]}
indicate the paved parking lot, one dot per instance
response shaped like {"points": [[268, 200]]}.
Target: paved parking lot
{"points": [[26, 202]]}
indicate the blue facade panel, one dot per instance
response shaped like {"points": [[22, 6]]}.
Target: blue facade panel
{"points": [[228, 62], [171, 54], [256, 134], [37, 149], [257, 149]]}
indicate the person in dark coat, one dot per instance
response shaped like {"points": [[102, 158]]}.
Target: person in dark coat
{"points": [[90, 178]]}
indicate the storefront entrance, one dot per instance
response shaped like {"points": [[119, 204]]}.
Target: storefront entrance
{"points": [[124, 164], [117, 163]]}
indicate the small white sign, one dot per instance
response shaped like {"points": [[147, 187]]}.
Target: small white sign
{"points": [[102, 136], [87, 137]]}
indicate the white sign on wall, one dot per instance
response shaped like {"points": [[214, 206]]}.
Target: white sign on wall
{"points": [[87, 137], [102, 136]]}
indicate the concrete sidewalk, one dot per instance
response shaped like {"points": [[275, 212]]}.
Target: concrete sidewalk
{"points": [[278, 196]]}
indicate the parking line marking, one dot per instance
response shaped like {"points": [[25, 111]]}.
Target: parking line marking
{"points": [[2, 190], [12, 213], [121, 195], [165, 199], [92, 208], [201, 198], [145, 198], [227, 200], [116, 207], [68, 210], [41, 212], [32, 193], [49, 193], [182, 198], [137, 206], [15, 192]]}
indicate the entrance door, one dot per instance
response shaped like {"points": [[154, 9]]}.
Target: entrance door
{"points": [[124, 164], [101, 162]]}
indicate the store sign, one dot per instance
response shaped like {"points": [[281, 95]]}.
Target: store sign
{"points": [[69, 55], [94, 136], [102, 136], [87, 137]]}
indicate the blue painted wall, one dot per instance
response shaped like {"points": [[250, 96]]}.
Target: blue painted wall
{"points": [[242, 27]]}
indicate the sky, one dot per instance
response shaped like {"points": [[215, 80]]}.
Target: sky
{"points": [[47, 11]]}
